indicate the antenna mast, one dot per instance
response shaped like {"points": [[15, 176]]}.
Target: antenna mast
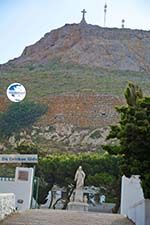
{"points": [[105, 11], [122, 23]]}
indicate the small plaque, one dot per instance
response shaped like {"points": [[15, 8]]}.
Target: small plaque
{"points": [[23, 175]]}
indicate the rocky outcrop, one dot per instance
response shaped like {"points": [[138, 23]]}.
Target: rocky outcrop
{"points": [[63, 137], [112, 48]]}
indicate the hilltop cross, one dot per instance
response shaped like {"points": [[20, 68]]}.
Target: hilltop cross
{"points": [[83, 16]]}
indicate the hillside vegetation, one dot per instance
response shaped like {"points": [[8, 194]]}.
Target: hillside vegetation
{"points": [[55, 78]]}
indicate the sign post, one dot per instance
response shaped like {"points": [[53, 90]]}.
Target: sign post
{"points": [[18, 158]]}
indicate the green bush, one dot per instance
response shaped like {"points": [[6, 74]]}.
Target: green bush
{"points": [[19, 116]]}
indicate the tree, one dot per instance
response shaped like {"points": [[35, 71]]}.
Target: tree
{"points": [[132, 94], [106, 182], [19, 116], [60, 169], [133, 132]]}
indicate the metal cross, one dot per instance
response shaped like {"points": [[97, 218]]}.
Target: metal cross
{"points": [[83, 12]]}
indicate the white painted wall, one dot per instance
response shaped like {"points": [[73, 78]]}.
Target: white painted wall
{"points": [[136, 212], [7, 204], [133, 203], [21, 188], [131, 193]]}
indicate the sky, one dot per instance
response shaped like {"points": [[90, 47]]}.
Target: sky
{"points": [[23, 22]]}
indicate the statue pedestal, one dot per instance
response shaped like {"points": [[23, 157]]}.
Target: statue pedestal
{"points": [[78, 195], [79, 204]]}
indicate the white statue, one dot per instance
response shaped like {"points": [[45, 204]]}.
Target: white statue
{"points": [[79, 178], [102, 199], [78, 200]]}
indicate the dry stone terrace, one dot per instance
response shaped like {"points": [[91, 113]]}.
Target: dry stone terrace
{"points": [[59, 217], [82, 110]]}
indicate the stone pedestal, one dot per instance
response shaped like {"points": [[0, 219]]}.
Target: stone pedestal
{"points": [[78, 203], [78, 195], [78, 206]]}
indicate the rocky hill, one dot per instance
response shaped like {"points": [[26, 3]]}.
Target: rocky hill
{"points": [[85, 44], [79, 71]]}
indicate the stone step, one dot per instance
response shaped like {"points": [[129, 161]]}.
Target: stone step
{"points": [[60, 217]]}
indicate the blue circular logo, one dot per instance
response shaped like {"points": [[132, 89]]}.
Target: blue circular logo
{"points": [[16, 92]]}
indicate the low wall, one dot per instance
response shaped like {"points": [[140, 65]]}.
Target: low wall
{"points": [[131, 193], [139, 212], [21, 187], [7, 204], [133, 203]]}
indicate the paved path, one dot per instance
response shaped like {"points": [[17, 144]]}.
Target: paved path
{"points": [[60, 217]]}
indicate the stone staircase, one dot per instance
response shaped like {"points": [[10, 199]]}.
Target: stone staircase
{"points": [[60, 217]]}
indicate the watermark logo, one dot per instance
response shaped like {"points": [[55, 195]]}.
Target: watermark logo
{"points": [[16, 92]]}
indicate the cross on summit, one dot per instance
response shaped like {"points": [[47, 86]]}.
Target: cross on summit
{"points": [[83, 12], [83, 16]]}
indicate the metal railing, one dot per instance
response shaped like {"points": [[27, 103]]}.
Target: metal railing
{"points": [[7, 179]]}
